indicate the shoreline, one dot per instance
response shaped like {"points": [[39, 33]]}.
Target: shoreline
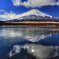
{"points": [[30, 23]]}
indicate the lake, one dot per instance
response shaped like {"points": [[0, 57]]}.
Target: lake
{"points": [[29, 42]]}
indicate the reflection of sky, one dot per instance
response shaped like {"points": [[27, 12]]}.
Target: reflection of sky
{"points": [[39, 51]]}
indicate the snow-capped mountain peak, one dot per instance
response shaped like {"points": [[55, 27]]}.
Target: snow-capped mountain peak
{"points": [[34, 12], [38, 13]]}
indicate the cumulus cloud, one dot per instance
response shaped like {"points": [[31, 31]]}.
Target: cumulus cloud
{"points": [[7, 16], [33, 3]]}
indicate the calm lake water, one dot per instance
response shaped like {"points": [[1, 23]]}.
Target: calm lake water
{"points": [[35, 42]]}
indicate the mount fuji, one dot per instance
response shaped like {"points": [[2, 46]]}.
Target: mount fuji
{"points": [[32, 15], [34, 12]]}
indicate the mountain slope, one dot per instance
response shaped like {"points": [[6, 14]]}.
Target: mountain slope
{"points": [[34, 12], [32, 15]]}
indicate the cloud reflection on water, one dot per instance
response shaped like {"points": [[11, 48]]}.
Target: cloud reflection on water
{"points": [[40, 51], [30, 34], [15, 35]]}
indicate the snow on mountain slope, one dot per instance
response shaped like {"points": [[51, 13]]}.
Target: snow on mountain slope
{"points": [[10, 16], [34, 12]]}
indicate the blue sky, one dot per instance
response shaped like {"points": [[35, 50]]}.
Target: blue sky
{"points": [[7, 5]]}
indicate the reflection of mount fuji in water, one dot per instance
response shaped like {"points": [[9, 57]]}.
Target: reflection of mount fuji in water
{"points": [[32, 16]]}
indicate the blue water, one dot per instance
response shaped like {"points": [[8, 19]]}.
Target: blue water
{"points": [[10, 36]]}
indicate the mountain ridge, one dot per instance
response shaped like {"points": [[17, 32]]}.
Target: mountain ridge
{"points": [[34, 12]]}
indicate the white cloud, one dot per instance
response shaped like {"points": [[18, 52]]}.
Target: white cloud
{"points": [[16, 2], [33, 3], [7, 16], [57, 3]]}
